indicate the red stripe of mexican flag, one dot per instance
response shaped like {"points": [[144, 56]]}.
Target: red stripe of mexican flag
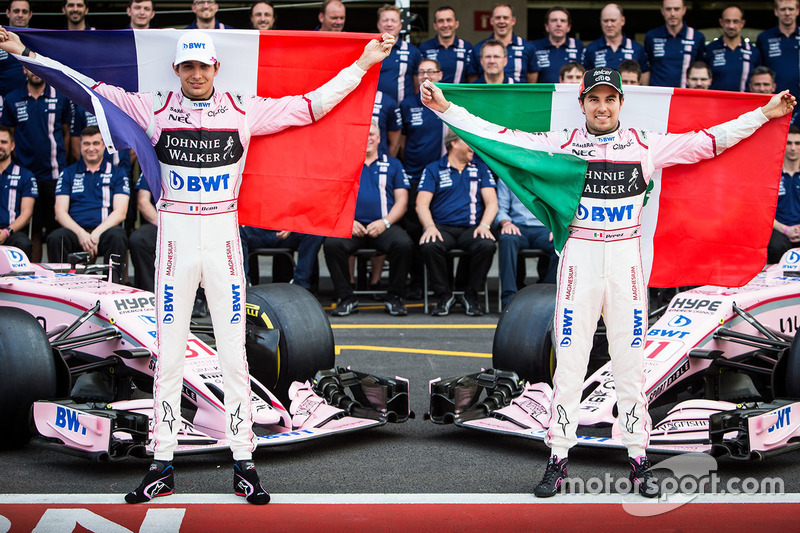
{"points": [[306, 179], [707, 223]]}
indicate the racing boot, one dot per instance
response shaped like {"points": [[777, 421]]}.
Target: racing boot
{"points": [[554, 475], [159, 481], [642, 477], [247, 484]]}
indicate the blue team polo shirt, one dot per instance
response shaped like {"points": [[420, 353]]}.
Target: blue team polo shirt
{"points": [[788, 211], [550, 58], [455, 59], [599, 54], [424, 133], [16, 183], [39, 145], [521, 58], [482, 79], [11, 75], [387, 112], [377, 186], [782, 54], [81, 119], [457, 199], [217, 26], [91, 194], [730, 69], [399, 70], [670, 56]]}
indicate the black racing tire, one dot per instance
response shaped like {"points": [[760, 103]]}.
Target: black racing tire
{"points": [[306, 342], [523, 340], [793, 370], [28, 373]]}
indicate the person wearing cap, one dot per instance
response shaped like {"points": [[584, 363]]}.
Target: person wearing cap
{"points": [[201, 138], [600, 270]]}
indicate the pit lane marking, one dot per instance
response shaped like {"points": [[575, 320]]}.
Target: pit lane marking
{"points": [[361, 347]]}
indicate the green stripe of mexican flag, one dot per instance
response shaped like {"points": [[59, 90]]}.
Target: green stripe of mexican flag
{"points": [[549, 182]]}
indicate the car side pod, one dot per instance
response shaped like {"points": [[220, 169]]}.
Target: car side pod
{"points": [[372, 397], [755, 431]]}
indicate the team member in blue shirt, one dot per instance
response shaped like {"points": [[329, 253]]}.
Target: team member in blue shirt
{"points": [[730, 57], [91, 203], [786, 227], [521, 66], [386, 111], [556, 49], [11, 74], [40, 117], [614, 47], [381, 204], [456, 204], [672, 47], [79, 120], [17, 196], [493, 63], [397, 70], [422, 129], [453, 53], [779, 47]]}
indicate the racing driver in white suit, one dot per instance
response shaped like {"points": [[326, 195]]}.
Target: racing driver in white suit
{"points": [[201, 138], [600, 270]]}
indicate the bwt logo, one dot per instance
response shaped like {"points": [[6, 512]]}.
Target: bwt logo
{"points": [[566, 328], [583, 213], [68, 419], [197, 183], [169, 307], [613, 214], [638, 330], [194, 46], [15, 256], [794, 257], [783, 419], [679, 321], [237, 303]]}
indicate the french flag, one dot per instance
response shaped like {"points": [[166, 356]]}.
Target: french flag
{"points": [[302, 179]]}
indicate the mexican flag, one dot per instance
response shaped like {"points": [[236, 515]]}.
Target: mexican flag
{"points": [[703, 224]]}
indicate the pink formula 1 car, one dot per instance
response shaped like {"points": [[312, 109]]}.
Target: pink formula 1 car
{"points": [[728, 359], [83, 351]]}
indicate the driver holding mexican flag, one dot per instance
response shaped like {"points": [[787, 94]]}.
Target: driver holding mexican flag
{"points": [[600, 271]]}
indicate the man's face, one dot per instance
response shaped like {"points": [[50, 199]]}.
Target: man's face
{"points": [[141, 13], [792, 147], [503, 21], [428, 71], [698, 78], [33, 79], [673, 12], [389, 22], [762, 84], [6, 146], [493, 59], [19, 13], [557, 26], [786, 12], [732, 22], [75, 10], [92, 148], [197, 79], [573, 75], [263, 17], [374, 139], [611, 21], [629, 78], [445, 23], [601, 106], [461, 150], [333, 18], [205, 10]]}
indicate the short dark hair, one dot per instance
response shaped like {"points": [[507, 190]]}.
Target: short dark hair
{"points": [[699, 65], [558, 8], [325, 5], [30, 7], [444, 8], [130, 4], [494, 42], [763, 69], [566, 67], [792, 129], [90, 131], [509, 6], [8, 130], [730, 6], [630, 65]]}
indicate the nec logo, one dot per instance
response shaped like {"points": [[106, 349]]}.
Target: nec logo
{"points": [[198, 183], [179, 118], [195, 46]]}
